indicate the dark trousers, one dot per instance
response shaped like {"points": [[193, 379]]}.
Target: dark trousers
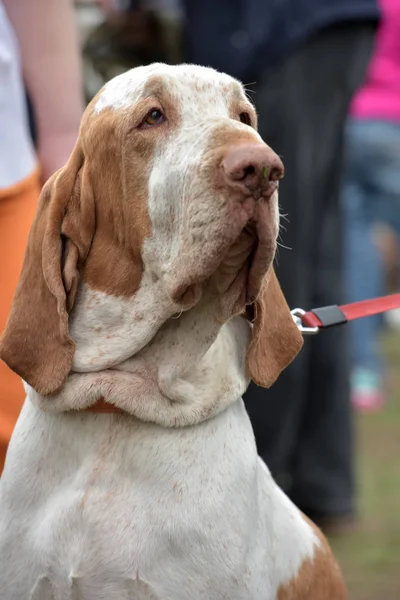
{"points": [[303, 424]]}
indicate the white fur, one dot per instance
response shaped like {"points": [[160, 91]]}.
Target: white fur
{"points": [[169, 501], [124, 90], [108, 331]]}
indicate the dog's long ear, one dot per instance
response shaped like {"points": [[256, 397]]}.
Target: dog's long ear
{"points": [[276, 339], [36, 343]]}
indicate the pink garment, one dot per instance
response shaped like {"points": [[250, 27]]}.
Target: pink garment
{"points": [[379, 97]]}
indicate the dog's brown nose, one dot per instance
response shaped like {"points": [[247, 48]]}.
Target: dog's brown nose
{"points": [[253, 169]]}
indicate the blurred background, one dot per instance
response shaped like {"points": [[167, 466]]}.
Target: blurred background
{"points": [[325, 78]]}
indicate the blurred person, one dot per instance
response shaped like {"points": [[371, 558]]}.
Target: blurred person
{"points": [[308, 57], [371, 195], [38, 48]]}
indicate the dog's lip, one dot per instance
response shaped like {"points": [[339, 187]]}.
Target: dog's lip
{"points": [[263, 251]]}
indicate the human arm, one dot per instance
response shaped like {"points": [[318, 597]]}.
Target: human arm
{"points": [[48, 40]]}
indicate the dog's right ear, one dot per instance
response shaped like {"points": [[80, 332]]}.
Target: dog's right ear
{"points": [[36, 343]]}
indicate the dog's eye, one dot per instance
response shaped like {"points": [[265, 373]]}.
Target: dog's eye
{"points": [[244, 117], [154, 117]]}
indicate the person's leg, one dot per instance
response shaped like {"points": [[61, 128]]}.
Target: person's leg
{"points": [[383, 140], [17, 208], [298, 420], [363, 266]]}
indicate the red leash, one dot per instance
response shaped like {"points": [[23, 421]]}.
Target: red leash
{"points": [[328, 316]]}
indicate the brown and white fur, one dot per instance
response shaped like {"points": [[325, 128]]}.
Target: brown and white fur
{"points": [[148, 258]]}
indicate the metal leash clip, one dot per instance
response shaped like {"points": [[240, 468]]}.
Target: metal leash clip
{"points": [[297, 314]]}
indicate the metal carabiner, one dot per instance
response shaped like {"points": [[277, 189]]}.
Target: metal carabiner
{"points": [[297, 314]]}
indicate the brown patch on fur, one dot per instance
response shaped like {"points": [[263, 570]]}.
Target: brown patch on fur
{"points": [[226, 137], [115, 265], [276, 339], [120, 187], [319, 578]]}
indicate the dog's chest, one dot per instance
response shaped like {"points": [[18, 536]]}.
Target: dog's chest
{"points": [[140, 512]]}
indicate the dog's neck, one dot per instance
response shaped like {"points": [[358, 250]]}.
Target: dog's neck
{"points": [[171, 370]]}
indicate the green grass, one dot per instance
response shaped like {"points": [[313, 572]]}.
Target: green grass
{"points": [[370, 558]]}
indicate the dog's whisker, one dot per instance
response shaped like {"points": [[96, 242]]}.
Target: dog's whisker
{"points": [[283, 246], [284, 216]]}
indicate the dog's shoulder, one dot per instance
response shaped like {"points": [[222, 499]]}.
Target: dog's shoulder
{"points": [[319, 576], [302, 566]]}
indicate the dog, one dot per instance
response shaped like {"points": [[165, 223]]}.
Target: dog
{"points": [[147, 302]]}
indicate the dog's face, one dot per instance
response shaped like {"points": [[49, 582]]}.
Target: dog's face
{"points": [[198, 182], [169, 179]]}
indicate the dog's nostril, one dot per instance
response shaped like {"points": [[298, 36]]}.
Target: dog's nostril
{"points": [[276, 174], [250, 170]]}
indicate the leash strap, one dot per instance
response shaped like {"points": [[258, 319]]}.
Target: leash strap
{"points": [[310, 323]]}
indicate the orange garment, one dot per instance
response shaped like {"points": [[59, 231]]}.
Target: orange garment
{"points": [[17, 208]]}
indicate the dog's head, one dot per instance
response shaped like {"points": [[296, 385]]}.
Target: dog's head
{"points": [[169, 177]]}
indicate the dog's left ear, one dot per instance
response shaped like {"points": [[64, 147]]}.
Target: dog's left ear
{"points": [[276, 339]]}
